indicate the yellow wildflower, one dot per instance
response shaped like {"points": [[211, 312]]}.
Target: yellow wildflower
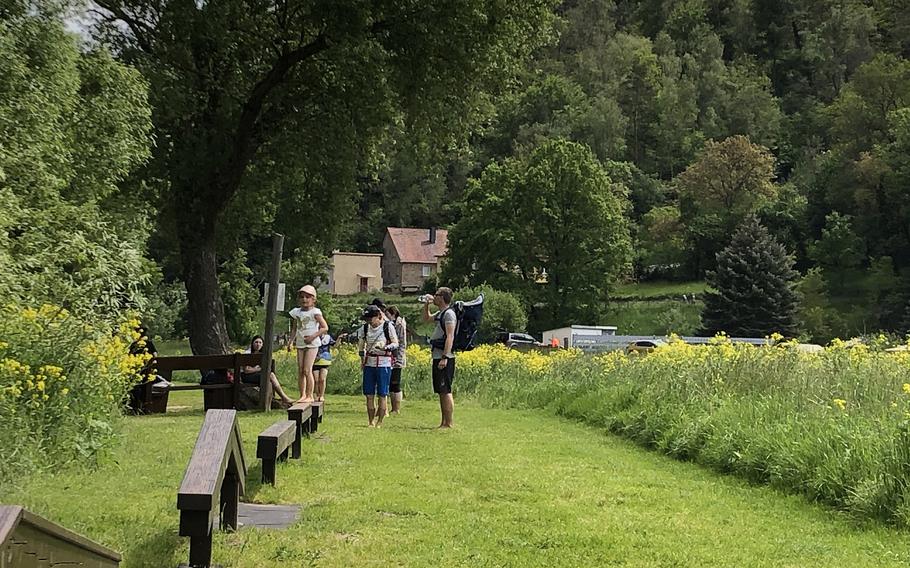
{"points": [[840, 403], [906, 388]]}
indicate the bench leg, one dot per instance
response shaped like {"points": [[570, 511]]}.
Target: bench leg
{"points": [[230, 498], [284, 456], [314, 421], [201, 551], [298, 434], [268, 471]]}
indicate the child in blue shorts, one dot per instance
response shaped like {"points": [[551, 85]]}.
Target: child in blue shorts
{"points": [[378, 342]]}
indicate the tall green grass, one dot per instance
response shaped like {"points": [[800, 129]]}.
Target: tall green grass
{"points": [[834, 427]]}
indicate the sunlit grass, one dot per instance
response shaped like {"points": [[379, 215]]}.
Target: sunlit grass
{"points": [[506, 488]]}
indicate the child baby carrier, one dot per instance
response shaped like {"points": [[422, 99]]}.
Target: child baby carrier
{"points": [[467, 320]]}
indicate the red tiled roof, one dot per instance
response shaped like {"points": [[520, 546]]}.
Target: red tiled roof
{"points": [[413, 245]]}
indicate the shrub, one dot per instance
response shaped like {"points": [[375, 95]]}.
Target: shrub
{"points": [[62, 385], [502, 311]]}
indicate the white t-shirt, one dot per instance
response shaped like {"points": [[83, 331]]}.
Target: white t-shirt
{"points": [[306, 325], [375, 342]]}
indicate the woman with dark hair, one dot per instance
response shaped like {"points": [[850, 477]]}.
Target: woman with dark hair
{"points": [[251, 374], [399, 362]]}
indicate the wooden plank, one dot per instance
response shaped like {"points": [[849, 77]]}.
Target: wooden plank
{"points": [[204, 362], [268, 516], [9, 519], [275, 439], [218, 439], [300, 414], [27, 539], [273, 442], [200, 387]]}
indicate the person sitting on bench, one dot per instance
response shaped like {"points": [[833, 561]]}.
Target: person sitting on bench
{"points": [[251, 374]]}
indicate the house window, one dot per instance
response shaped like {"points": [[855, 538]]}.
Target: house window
{"points": [[425, 270]]}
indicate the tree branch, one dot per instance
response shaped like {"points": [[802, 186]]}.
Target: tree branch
{"points": [[246, 136], [139, 30]]}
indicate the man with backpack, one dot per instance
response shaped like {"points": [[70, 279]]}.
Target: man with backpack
{"points": [[442, 341]]}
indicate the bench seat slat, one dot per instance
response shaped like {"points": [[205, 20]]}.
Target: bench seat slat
{"points": [[218, 440], [275, 439], [201, 362], [175, 387]]}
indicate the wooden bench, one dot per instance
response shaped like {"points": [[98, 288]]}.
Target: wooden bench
{"points": [[301, 414], [272, 446], [27, 540], [213, 483], [215, 396]]}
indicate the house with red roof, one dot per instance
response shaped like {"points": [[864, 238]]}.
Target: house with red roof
{"points": [[410, 256]]}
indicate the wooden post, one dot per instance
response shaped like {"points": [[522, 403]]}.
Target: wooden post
{"points": [[265, 386]]}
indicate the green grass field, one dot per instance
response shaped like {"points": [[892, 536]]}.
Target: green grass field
{"points": [[644, 290], [505, 488]]}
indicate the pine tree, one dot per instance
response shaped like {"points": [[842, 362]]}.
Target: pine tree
{"points": [[754, 287]]}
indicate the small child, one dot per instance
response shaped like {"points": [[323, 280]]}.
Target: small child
{"points": [[321, 366], [307, 328], [377, 342]]}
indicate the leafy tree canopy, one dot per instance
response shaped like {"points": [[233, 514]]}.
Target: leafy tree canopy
{"points": [[556, 211], [72, 125], [290, 98]]}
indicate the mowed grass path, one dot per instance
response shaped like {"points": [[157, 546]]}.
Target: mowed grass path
{"points": [[506, 488]]}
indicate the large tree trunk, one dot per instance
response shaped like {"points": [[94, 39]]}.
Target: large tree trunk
{"points": [[208, 330]]}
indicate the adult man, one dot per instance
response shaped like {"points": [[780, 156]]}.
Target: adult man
{"points": [[442, 340]]}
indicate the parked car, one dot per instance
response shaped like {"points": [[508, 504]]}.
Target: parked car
{"points": [[645, 345], [517, 340]]}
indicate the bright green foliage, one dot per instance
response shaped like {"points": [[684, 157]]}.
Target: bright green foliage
{"points": [[860, 114], [72, 125], [62, 386], [819, 320], [240, 297], [285, 106], [662, 241], [502, 311], [729, 181], [558, 211], [839, 251], [753, 286]]}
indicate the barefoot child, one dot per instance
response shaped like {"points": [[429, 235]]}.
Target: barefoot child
{"points": [[307, 329], [321, 366], [377, 341]]}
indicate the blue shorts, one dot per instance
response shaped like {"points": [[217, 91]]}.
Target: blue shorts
{"points": [[376, 380]]}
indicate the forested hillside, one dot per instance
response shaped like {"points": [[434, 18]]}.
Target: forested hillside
{"points": [[695, 114], [568, 146], [706, 113]]}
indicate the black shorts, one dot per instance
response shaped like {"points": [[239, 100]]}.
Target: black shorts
{"points": [[442, 378], [395, 385], [250, 378]]}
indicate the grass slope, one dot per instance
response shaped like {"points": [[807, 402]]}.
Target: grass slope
{"points": [[505, 488]]}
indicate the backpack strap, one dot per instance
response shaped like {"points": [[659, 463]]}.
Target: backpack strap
{"points": [[442, 322]]}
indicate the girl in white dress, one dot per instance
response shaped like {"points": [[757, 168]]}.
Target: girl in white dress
{"points": [[307, 328]]}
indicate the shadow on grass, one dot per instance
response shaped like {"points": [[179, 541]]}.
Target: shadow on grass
{"points": [[157, 550]]}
